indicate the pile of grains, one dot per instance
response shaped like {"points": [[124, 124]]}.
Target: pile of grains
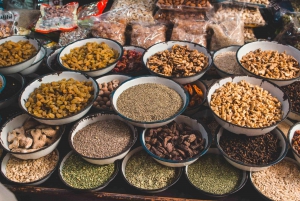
{"points": [[103, 139], [213, 174], [296, 141], [149, 102], [81, 174], [24, 171], [279, 182], [293, 91], [144, 172], [257, 150], [227, 62]]}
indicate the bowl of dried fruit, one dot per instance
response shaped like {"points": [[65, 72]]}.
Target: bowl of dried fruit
{"points": [[293, 92], [25, 138], [31, 171], [177, 144], [93, 56], [102, 138], [181, 61], [149, 101], [254, 153], [247, 105], [294, 140], [52, 62], [275, 62], [25, 47], [145, 174], [59, 98]]}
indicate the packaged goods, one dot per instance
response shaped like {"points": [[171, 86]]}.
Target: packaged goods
{"points": [[8, 19], [68, 37], [91, 9]]}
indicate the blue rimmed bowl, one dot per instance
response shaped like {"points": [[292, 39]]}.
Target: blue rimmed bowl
{"points": [[291, 134], [3, 82]]}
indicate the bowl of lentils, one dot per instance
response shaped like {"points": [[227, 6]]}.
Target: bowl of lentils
{"points": [[149, 101], [294, 140]]}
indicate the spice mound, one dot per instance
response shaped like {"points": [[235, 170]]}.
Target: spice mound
{"points": [[257, 150], [130, 62], [271, 64], [296, 141], [227, 62], [103, 139], [149, 102], [60, 99], [144, 172], [279, 182], [246, 105], [91, 56], [31, 170], [179, 62], [175, 141], [213, 174], [293, 91], [12, 53], [196, 94], [81, 174]]}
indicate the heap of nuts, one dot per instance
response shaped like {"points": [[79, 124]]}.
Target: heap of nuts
{"points": [[175, 141], [296, 141], [130, 62], [105, 89], [196, 94]]}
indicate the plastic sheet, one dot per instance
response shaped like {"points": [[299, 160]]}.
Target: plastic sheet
{"points": [[91, 9]]}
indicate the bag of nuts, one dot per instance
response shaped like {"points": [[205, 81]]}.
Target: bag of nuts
{"points": [[249, 35], [7, 22], [68, 37], [149, 5]]}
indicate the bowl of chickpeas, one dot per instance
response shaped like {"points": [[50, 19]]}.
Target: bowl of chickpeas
{"points": [[17, 53], [59, 98]]}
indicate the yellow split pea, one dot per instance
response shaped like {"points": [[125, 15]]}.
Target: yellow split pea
{"points": [[91, 56]]}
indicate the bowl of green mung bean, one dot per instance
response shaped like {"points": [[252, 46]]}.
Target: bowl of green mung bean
{"points": [[77, 173], [213, 176], [143, 173], [149, 101]]}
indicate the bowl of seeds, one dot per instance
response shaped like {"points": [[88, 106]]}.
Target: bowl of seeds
{"points": [[254, 153], [293, 92], [77, 173], [275, 62], [143, 173], [213, 176], [29, 172], [181, 61], [102, 138], [149, 101], [294, 140], [178, 143]]}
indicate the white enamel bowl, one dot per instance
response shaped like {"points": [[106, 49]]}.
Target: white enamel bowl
{"points": [[195, 125], [275, 91], [24, 64], [37, 62], [17, 121], [58, 76], [33, 183], [159, 47], [290, 137], [95, 118], [150, 79], [251, 167], [265, 45], [79, 43], [51, 57]]}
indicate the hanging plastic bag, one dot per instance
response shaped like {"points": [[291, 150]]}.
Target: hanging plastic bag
{"points": [[92, 9], [8, 19]]}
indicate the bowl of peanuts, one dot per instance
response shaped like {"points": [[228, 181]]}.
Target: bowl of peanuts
{"points": [[59, 98], [93, 56], [248, 105], [17, 53], [275, 62], [294, 140]]}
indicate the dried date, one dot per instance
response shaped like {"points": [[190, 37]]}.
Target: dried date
{"points": [[130, 62]]}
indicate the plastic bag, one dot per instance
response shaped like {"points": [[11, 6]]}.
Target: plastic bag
{"points": [[185, 5], [148, 5], [68, 37], [145, 35], [7, 23], [92, 9], [254, 3], [55, 18], [249, 35]]}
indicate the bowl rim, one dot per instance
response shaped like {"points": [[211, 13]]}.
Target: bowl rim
{"points": [[134, 46], [62, 129], [204, 96], [43, 56], [24, 38], [114, 174], [206, 148], [134, 134], [56, 51], [281, 156], [3, 82], [259, 76], [178, 171], [262, 80], [89, 71], [184, 106], [289, 135], [57, 73], [32, 182], [23, 83], [243, 180], [174, 77]]}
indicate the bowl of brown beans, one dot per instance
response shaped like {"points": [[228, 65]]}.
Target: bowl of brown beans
{"points": [[248, 105], [294, 140], [293, 92], [252, 153], [26, 49], [93, 56], [181, 61], [59, 98], [275, 62]]}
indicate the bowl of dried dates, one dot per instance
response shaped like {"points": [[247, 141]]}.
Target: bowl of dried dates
{"points": [[294, 140], [177, 144]]}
